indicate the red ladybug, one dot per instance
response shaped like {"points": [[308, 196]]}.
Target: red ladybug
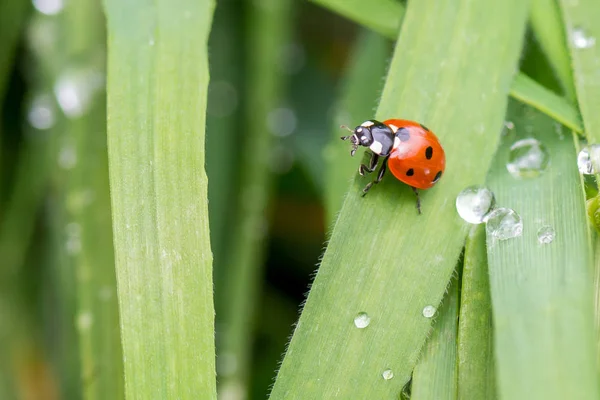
{"points": [[410, 150]]}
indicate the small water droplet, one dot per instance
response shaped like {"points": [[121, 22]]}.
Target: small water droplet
{"points": [[48, 7], [528, 158], [545, 234], [388, 374], [151, 42], [84, 320], [41, 112], [362, 320], [581, 40], [504, 223], [509, 125], [282, 121], [474, 204], [429, 311], [588, 160]]}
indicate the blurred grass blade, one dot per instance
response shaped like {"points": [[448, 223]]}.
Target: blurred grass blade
{"points": [[522, 88], [582, 31], [476, 377], [12, 16], [375, 261], [157, 51], [434, 377], [529, 92], [360, 91], [547, 25], [542, 293], [268, 32], [87, 230], [381, 16]]}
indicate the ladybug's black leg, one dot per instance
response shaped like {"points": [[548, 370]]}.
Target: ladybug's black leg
{"points": [[380, 174], [418, 199], [372, 164]]}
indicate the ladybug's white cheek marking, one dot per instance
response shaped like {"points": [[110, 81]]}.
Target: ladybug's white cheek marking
{"points": [[396, 143], [376, 147], [367, 124], [394, 128]]}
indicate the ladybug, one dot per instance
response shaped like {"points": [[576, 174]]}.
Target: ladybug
{"points": [[409, 149]]}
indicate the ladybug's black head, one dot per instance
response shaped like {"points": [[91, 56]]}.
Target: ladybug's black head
{"points": [[361, 136]]}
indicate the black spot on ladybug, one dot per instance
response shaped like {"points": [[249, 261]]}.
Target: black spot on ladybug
{"points": [[403, 134], [429, 153], [437, 177], [411, 172], [424, 127]]}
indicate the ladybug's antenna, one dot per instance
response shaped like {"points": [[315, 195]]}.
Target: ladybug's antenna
{"points": [[345, 127]]}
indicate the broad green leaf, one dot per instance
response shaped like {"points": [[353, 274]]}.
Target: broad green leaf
{"points": [[542, 292], [435, 376], [383, 258], [359, 95], [476, 375], [157, 53]]}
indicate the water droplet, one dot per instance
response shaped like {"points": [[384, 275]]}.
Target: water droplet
{"points": [[41, 112], [588, 160], [581, 40], [362, 320], [67, 158], [503, 224], [429, 311], [151, 42], [222, 99], [282, 121], [474, 203], [48, 7], [545, 234], [528, 158], [75, 89], [509, 125], [84, 320], [388, 374]]}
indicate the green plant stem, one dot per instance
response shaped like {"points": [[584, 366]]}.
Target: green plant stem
{"points": [[12, 16], [375, 261], [268, 32], [157, 52], [476, 375]]}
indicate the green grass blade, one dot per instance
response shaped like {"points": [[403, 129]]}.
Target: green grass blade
{"points": [[542, 293], [375, 261], [157, 84], [87, 228], [582, 31], [434, 377], [529, 92], [547, 26], [476, 377], [360, 91], [268, 32], [381, 16], [12, 16], [523, 88]]}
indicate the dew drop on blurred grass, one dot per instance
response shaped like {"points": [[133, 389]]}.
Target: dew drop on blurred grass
{"points": [[282, 121], [41, 113], [67, 157], [588, 160], [362, 320], [503, 224], [581, 40], [429, 311], [75, 90], [84, 320], [545, 234], [474, 203], [528, 158], [388, 374]]}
